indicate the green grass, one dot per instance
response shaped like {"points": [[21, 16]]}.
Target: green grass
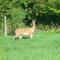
{"points": [[43, 46]]}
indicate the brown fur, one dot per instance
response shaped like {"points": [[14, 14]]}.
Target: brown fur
{"points": [[25, 31]]}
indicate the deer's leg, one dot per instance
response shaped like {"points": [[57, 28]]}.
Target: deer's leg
{"points": [[16, 36], [20, 36], [31, 36]]}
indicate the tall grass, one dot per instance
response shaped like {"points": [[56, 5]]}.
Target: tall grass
{"points": [[43, 46]]}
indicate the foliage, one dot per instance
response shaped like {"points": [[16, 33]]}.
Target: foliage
{"points": [[44, 11]]}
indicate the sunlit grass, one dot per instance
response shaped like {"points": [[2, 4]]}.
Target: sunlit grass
{"points": [[43, 46]]}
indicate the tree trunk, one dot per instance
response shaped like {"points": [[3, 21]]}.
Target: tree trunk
{"points": [[5, 26]]}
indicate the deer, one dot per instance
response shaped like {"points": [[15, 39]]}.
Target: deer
{"points": [[20, 32]]}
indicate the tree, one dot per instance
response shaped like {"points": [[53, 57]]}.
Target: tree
{"points": [[19, 10], [12, 11]]}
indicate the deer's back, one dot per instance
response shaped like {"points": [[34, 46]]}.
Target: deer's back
{"points": [[24, 31]]}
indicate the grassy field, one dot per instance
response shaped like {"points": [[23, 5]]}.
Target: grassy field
{"points": [[43, 46]]}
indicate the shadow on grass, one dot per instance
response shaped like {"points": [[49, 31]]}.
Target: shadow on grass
{"points": [[24, 37]]}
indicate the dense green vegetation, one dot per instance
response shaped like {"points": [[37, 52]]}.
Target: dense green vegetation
{"points": [[43, 46], [20, 13]]}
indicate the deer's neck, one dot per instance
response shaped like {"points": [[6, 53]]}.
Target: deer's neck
{"points": [[33, 27]]}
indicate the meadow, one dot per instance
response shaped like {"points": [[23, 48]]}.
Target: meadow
{"points": [[43, 46]]}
